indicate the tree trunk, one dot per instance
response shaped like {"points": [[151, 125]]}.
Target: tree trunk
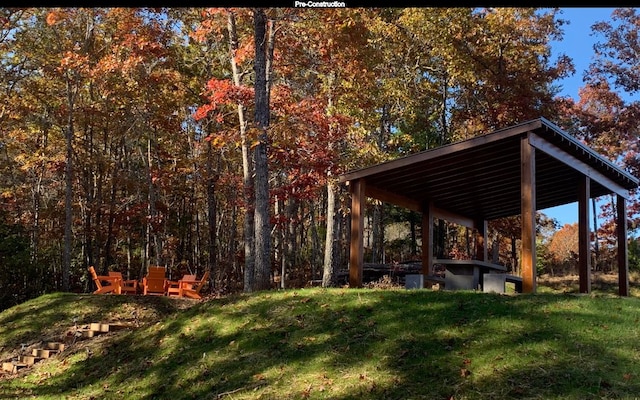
{"points": [[514, 256], [440, 238], [444, 134], [414, 236], [108, 254], [290, 248], [89, 207], [261, 183], [235, 273], [495, 249], [377, 243], [212, 177], [68, 198], [247, 165], [35, 236], [316, 251], [279, 241], [111, 237], [330, 248], [151, 209]]}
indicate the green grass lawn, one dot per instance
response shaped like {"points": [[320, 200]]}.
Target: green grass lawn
{"points": [[333, 344]]}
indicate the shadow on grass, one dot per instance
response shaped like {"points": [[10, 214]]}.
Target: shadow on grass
{"points": [[49, 316], [355, 344]]}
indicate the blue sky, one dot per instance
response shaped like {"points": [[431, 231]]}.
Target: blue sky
{"points": [[578, 44]]}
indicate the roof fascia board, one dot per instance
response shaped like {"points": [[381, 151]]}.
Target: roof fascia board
{"points": [[440, 151], [590, 151]]}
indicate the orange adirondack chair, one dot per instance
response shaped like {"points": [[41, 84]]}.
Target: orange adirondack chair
{"points": [[126, 285], [173, 287], [155, 281], [192, 288], [105, 284]]}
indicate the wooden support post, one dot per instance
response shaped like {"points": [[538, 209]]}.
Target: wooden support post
{"points": [[623, 258], [584, 235], [528, 210], [356, 256], [482, 240], [427, 239]]}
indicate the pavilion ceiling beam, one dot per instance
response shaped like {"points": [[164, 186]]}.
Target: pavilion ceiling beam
{"points": [[393, 198], [561, 155], [414, 205], [441, 213]]}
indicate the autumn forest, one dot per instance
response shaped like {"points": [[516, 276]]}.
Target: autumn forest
{"points": [[212, 139]]}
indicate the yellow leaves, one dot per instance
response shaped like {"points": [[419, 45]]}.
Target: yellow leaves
{"points": [[255, 144], [217, 141], [7, 194]]}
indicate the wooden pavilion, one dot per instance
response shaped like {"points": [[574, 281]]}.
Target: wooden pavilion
{"points": [[513, 171]]}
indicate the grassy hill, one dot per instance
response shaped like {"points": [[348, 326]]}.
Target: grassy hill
{"points": [[331, 344]]}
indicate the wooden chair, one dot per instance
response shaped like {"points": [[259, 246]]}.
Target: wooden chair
{"points": [[105, 284], [192, 289], [173, 287], [154, 282], [126, 285]]}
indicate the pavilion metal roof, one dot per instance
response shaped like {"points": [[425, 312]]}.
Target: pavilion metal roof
{"points": [[480, 177]]}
